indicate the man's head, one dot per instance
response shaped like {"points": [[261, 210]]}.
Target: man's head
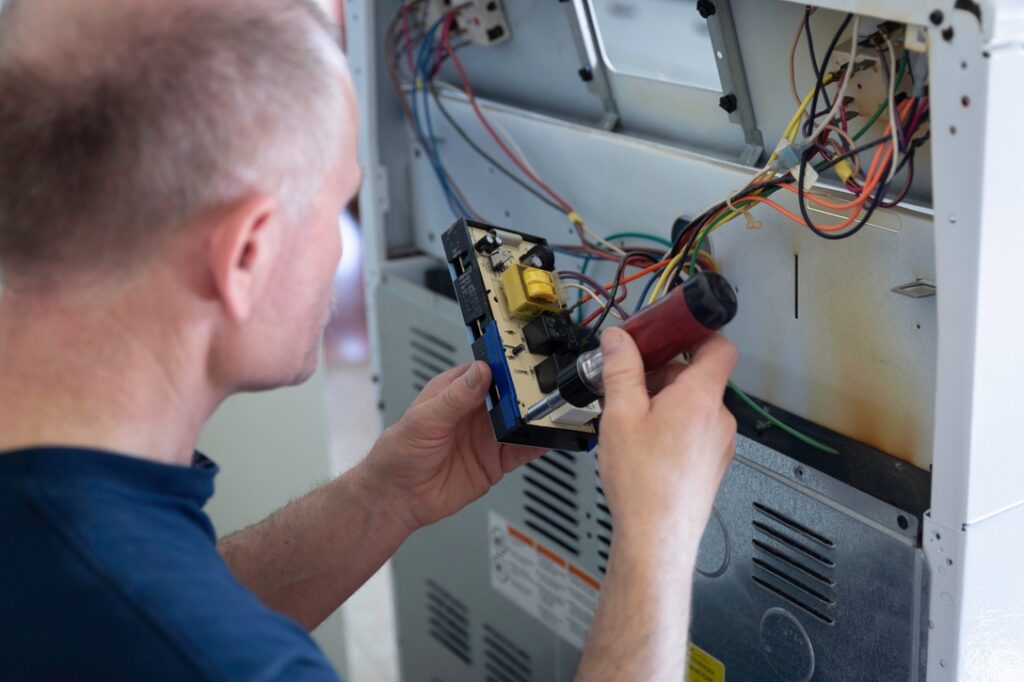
{"points": [[198, 148]]}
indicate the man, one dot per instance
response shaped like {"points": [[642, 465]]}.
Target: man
{"points": [[170, 176]]}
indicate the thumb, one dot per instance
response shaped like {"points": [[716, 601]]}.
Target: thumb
{"points": [[461, 397], [625, 387]]}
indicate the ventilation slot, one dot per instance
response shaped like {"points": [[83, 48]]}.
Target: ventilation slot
{"points": [[429, 356], [603, 519], [549, 500], [448, 622], [794, 562], [503, 660]]}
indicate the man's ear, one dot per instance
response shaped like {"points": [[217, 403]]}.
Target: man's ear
{"points": [[243, 246]]}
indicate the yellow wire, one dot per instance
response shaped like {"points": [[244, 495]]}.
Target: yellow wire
{"points": [[790, 134]]}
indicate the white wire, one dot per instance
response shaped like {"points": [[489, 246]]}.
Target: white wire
{"points": [[847, 75], [593, 295], [893, 117]]}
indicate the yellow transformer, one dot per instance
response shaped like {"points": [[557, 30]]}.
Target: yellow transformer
{"points": [[530, 291]]}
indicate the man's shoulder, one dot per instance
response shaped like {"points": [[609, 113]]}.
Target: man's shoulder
{"points": [[114, 588]]}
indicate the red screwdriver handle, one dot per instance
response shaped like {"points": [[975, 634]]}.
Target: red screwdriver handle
{"points": [[680, 321]]}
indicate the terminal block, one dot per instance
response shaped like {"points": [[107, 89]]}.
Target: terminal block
{"points": [[512, 304]]}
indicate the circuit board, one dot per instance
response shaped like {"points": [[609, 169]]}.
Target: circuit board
{"points": [[512, 303]]}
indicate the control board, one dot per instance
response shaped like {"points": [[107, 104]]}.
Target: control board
{"points": [[514, 307]]}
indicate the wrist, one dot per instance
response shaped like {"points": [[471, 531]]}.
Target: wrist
{"points": [[382, 499]]}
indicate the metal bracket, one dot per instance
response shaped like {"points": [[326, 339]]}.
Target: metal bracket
{"points": [[592, 69], [736, 98]]}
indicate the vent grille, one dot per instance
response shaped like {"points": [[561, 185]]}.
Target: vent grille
{"points": [[429, 355], [550, 499], [503, 660], [794, 562], [603, 519], [448, 622]]}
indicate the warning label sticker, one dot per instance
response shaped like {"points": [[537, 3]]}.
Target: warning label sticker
{"points": [[703, 667], [538, 580]]}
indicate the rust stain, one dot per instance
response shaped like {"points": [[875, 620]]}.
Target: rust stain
{"points": [[874, 401]]}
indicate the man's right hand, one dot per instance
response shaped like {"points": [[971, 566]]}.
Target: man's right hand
{"points": [[663, 457]]}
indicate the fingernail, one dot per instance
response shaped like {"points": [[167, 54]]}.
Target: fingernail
{"points": [[611, 340], [473, 376]]}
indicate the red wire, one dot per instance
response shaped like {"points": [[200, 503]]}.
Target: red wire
{"points": [[562, 203], [405, 35]]}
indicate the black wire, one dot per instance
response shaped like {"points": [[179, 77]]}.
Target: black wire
{"points": [[608, 307], [487, 157], [810, 48]]}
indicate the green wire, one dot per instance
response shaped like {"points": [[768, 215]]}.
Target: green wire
{"points": [[640, 235], [885, 103], [775, 422]]}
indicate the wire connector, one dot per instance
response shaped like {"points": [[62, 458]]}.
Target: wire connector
{"points": [[791, 154]]}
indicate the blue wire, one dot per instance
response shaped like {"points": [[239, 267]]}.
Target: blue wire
{"points": [[427, 138], [647, 290]]}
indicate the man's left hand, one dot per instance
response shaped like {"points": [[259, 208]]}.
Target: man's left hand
{"points": [[442, 454]]}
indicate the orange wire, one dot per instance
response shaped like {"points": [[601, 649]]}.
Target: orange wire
{"points": [[873, 177], [626, 280]]}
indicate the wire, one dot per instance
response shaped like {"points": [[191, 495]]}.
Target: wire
{"points": [[591, 294], [846, 78], [604, 315], [774, 421], [818, 72], [487, 157], [640, 235]]}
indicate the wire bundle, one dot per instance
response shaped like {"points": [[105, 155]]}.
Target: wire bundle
{"points": [[817, 140]]}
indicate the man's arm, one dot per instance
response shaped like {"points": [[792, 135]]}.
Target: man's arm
{"points": [[309, 557], [661, 462]]}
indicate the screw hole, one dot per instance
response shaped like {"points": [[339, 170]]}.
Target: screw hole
{"points": [[902, 522], [963, 65], [799, 472], [949, 562], [918, 326], [966, 101], [952, 130]]}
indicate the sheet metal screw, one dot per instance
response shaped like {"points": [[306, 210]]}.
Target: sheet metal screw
{"points": [[728, 102], [706, 8], [586, 75]]}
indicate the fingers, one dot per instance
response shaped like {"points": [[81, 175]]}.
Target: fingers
{"points": [[514, 456], [664, 376], [625, 388], [712, 364], [462, 394], [440, 382]]}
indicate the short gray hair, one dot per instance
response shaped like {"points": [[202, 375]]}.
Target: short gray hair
{"points": [[121, 120]]}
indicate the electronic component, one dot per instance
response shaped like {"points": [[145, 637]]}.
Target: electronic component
{"points": [[529, 291], [673, 325], [571, 414], [540, 256], [489, 243], [550, 333], [482, 22], [499, 306], [547, 371]]}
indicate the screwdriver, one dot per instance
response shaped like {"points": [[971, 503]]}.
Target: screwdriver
{"points": [[676, 324]]}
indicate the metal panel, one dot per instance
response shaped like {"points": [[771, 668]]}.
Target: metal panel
{"points": [[841, 349], [838, 567]]}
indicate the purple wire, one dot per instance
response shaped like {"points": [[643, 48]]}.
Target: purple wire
{"points": [[596, 286]]}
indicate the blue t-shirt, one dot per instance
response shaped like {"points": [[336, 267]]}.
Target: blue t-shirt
{"points": [[109, 570]]}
